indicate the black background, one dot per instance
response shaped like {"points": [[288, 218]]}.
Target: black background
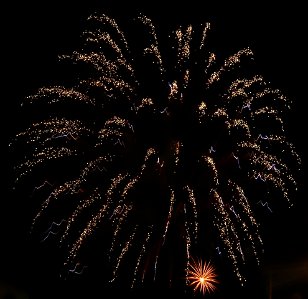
{"points": [[35, 33]]}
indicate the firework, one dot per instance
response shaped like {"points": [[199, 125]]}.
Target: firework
{"points": [[202, 276], [152, 148]]}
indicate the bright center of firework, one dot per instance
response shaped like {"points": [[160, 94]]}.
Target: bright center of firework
{"points": [[202, 280]]}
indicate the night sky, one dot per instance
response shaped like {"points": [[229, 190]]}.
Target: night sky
{"points": [[37, 32]]}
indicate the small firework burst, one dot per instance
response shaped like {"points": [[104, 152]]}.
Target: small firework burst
{"points": [[202, 276]]}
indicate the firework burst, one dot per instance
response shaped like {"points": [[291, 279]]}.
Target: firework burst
{"points": [[202, 276], [150, 150]]}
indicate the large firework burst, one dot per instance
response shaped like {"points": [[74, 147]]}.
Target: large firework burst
{"points": [[154, 151]]}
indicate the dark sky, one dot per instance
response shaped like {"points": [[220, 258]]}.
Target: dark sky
{"points": [[37, 32]]}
